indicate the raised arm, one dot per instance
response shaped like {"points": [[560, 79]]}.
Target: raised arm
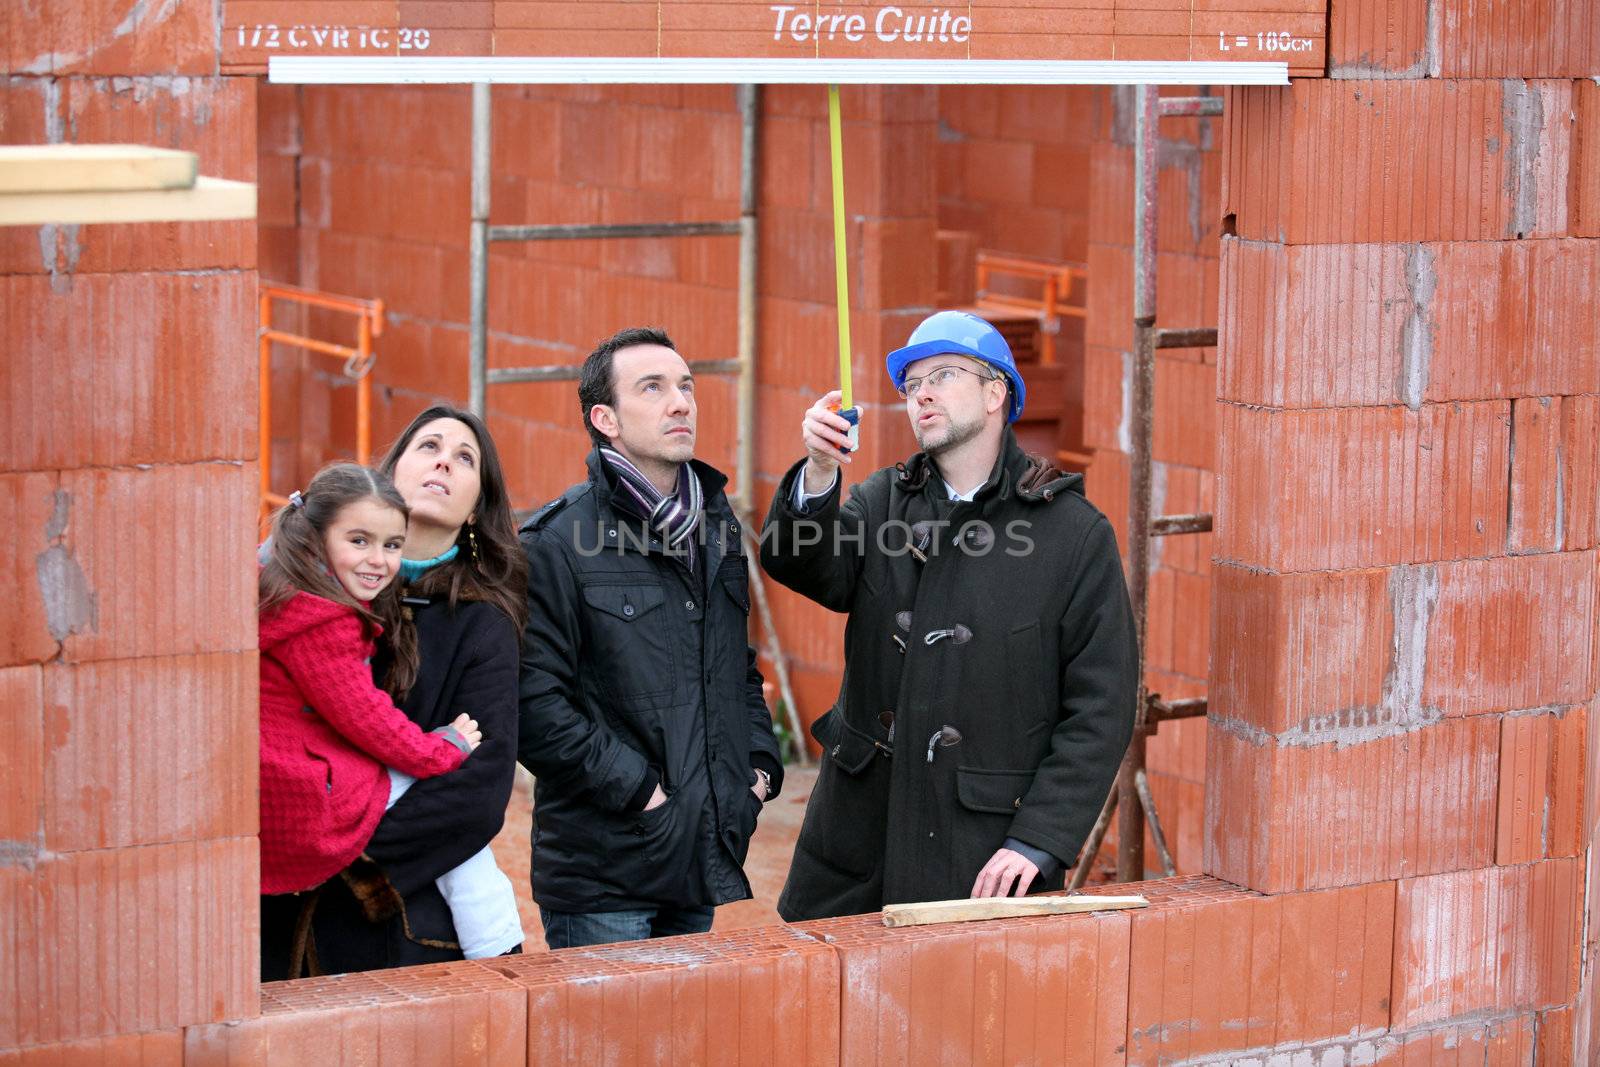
{"points": [[811, 542]]}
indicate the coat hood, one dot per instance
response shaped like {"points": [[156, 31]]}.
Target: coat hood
{"points": [[1032, 479]]}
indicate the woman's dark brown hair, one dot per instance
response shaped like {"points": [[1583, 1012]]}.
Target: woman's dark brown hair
{"points": [[297, 556], [498, 572]]}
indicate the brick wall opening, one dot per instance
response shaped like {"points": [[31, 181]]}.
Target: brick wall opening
{"points": [[1395, 821]]}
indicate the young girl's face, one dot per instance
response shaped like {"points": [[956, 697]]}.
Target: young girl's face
{"points": [[363, 544]]}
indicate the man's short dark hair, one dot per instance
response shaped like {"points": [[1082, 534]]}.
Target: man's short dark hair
{"points": [[597, 384]]}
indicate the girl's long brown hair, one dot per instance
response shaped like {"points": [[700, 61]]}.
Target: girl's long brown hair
{"points": [[297, 556], [499, 573]]}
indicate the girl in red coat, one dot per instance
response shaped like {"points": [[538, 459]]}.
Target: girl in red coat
{"points": [[335, 751]]}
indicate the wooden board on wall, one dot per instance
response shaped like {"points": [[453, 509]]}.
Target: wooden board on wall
{"points": [[1288, 31]]}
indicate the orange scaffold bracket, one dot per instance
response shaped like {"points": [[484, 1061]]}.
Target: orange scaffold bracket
{"points": [[358, 363]]}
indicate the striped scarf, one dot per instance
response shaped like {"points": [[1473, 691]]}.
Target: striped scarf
{"points": [[675, 517]]}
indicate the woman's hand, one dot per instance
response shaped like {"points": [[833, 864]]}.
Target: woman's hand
{"points": [[467, 727]]}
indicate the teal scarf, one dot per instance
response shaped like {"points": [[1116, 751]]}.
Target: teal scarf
{"points": [[412, 569]]}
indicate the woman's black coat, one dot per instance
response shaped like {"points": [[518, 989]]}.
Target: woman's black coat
{"points": [[468, 664]]}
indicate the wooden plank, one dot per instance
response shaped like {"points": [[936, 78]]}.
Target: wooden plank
{"points": [[210, 199], [972, 910], [69, 168]]}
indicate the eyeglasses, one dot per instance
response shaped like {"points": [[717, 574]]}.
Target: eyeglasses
{"points": [[938, 378]]}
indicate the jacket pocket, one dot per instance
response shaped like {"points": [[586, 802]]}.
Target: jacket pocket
{"points": [[846, 818], [628, 631], [993, 792], [851, 749], [734, 577], [324, 770]]}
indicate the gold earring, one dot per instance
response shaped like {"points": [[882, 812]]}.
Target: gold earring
{"points": [[472, 539]]}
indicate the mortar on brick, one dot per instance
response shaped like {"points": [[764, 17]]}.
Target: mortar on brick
{"points": [[1522, 118], [70, 606], [1417, 334], [1365, 68]]}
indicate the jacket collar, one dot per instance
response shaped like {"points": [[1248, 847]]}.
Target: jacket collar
{"points": [[712, 481], [1032, 479], [718, 531]]}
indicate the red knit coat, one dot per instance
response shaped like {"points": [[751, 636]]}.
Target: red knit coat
{"points": [[327, 735]]}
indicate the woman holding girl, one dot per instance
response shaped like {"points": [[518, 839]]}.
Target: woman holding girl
{"points": [[452, 650]]}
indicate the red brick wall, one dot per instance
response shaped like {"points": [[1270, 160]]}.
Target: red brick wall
{"points": [[128, 866], [1014, 166], [1404, 666], [1405, 652]]}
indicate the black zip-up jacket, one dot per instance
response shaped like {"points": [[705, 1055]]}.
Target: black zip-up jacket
{"points": [[637, 671], [1010, 625]]}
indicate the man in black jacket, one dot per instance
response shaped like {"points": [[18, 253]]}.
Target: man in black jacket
{"points": [[642, 713], [990, 658]]}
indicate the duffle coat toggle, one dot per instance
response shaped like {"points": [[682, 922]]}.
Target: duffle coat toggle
{"points": [[943, 737], [958, 635]]}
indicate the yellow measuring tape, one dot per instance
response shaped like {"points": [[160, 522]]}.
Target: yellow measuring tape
{"points": [[840, 271]]}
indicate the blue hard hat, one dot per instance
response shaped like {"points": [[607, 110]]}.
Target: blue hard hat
{"points": [[959, 333]]}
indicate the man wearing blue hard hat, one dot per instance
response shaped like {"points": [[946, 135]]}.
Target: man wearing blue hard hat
{"points": [[990, 660]]}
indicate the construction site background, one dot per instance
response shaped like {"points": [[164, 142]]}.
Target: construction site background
{"points": [[1391, 804]]}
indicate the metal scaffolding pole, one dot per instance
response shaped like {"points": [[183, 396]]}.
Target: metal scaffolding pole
{"points": [[1130, 810], [745, 469], [478, 252]]}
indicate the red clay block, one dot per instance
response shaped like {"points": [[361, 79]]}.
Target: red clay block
{"points": [[156, 375], [1509, 298], [1542, 786], [1378, 39], [181, 42], [21, 758], [1555, 1040], [1359, 487], [1579, 472], [40, 615], [213, 117], [104, 790], [1336, 325], [1281, 989], [1301, 649], [135, 596], [440, 1014], [1534, 522], [123, 940], [763, 994], [1521, 39], [896, 268], [1027, 990], [1510, 633], [1314, 163], [1310, 813], [1585, 175], [1185, 408], [1502, 937], [163, 1049]]}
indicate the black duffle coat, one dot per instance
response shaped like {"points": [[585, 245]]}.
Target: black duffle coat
{"points": [[1005, 619]]}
